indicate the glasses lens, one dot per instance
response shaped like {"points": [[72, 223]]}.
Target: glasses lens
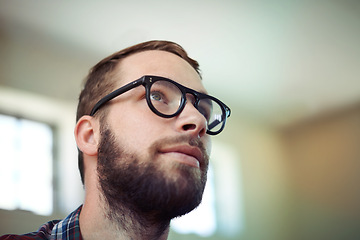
{"points": [[165, 97], [212, 112]]}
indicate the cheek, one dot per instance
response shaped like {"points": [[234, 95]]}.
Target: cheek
{"points": [[138, 130]]}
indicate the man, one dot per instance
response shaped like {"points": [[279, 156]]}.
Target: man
{"points": [[143, 130]]}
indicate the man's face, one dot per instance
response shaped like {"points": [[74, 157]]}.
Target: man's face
{"points": [[149, 163]]}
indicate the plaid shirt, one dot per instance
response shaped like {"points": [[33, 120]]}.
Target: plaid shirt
{"points": [[66, 229]]}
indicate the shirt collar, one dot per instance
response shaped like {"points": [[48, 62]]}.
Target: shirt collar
{"points": [[68, 228]]}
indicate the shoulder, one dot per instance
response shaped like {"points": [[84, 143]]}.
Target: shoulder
{"points": [[44, 232], [68, 228]]}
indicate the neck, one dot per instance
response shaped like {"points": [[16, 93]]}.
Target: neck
{"points": [[97, 221]]}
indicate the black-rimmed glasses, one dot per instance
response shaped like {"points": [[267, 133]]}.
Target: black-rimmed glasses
{"points": [[167, 98]]}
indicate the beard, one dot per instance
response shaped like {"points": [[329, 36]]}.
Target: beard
{"points": [[144, 188]]}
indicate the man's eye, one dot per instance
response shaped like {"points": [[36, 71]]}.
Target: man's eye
{"points": [[156, 96]]}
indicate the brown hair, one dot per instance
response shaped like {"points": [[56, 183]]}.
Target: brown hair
{"points": [[99, 81]]}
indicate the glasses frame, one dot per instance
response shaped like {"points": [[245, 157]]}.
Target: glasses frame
{"points": [[147, 82]]}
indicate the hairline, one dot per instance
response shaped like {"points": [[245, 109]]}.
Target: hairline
{"points": [[116, 75]]}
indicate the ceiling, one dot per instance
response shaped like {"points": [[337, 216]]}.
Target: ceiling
{"points": [[282, 61]]}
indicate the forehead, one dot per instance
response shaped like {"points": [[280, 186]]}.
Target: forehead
{"points": [[158, 63]]}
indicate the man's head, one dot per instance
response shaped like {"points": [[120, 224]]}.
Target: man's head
{"points": [[139, 160], [100, 80]]}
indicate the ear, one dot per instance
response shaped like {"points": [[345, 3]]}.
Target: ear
{"points": [[86, 135]]}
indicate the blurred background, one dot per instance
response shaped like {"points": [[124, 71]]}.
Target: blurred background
{"points": [[287, 165]]}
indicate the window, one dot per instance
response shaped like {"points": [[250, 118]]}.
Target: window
{"points": [[222, 210], [26, 165], [202, 220]]}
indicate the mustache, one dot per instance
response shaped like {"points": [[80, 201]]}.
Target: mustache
{"points": [[194, 142]]}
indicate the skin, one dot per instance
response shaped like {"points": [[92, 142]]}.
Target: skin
{"points": [[136, 127]]}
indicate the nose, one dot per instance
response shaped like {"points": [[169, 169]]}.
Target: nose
{"points": [[191, 121]]}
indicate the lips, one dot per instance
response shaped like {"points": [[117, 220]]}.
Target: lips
{"points": [[185, 154]]}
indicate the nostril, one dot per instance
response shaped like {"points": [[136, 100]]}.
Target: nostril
{"points": [[187, 127]]}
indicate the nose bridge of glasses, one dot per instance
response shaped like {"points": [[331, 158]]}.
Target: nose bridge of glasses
{"points": [[197, 103], [190, 97]]}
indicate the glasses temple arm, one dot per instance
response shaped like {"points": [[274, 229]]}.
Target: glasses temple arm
{"points": [[114, 94]]}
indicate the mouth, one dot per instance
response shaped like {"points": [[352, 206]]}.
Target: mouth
{"points": [[185, 154]]}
